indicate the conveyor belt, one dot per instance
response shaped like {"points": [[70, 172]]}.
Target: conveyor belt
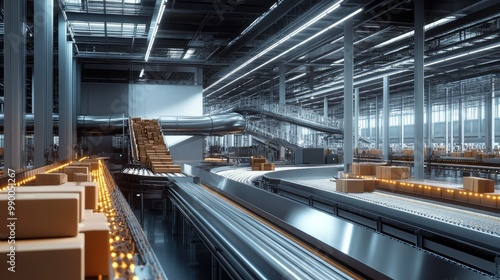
{"points": [[250, 249], [462, 217]]}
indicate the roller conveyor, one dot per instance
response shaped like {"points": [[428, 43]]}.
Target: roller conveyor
{"points": [[462, 217], [250, 249], [372, 254]]}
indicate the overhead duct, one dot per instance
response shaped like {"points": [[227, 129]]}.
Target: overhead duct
{"points": [[231, 123], [219, 124]]}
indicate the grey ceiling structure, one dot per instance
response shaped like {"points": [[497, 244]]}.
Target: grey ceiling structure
{"points": [[238, 45]]}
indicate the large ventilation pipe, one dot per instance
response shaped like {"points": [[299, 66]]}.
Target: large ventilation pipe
{"points": [[220, 124], [231, 123]]}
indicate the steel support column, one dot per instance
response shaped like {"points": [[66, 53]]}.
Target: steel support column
{"points": [[452, 131], [74, 85], [461, 118], [14, 83], [368, 116], [348, 88], [489, 119], [65, 93], [401, 124], [446, 121], [418, 167], [377, 124], [430, 125], [325, 108], [282, 89], [356, 117], [385, 118], [43, 72]]}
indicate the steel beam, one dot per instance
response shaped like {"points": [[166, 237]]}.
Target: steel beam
{"points": [[348, 88], [43, 79], [14, 83], [385, 117], [356, 117], [418, 167], [65, 93]]}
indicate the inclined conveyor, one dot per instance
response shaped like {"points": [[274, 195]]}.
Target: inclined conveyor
{"points": [[239, 243]]}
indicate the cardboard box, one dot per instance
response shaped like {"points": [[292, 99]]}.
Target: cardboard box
{"points": [[369, 185], [256, 167], [468, 183], [363, 168], [396, 172], [42, 215], [267, 166], [482, 185], [70, 170], [47, 179], [92, 165], [379, 172], [352, 185], [82, 177], [338, 185], [97, 251], [57, 189], [45, 259], [91, 193], [478, 185]]}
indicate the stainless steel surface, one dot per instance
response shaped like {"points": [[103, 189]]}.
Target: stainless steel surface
{"points": [[112, 124], [105, 125], [372, 254], [219, 124], [147, 265], [464, 232], [248, 248]]}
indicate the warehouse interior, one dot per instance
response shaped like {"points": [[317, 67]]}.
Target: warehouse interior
{"points": [[245, 139]]}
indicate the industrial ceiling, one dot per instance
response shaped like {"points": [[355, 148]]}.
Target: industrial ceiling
{"points": [[240, 44]]}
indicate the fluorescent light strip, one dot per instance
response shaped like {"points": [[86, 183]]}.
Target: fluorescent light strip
{"points": [[409, 34], [296, 77], [142, 73], [463, 54], [155, 29], [282, 40], [289, 50], [257, 20]]}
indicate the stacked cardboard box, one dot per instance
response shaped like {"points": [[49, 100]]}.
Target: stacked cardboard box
{"points": [[71, 170], [46, 238], [364, 168], [153, 151], [261, 164]]}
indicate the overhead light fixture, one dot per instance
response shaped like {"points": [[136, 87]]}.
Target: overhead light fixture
{"points": [[281, 41], [288, 50], [296, 77], [142, 73], [188, 54], [409, 34], [464, 54], [155, 28], [254, 23]]}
